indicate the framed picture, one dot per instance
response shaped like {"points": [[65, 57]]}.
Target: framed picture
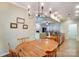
{"points": [[13, 25], [20, 20], [25, 26]]}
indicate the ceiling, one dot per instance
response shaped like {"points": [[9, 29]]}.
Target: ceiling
{"points": [[66, 9]]}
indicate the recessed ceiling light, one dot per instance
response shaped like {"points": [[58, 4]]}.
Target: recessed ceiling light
{"points": [[56, 12], [77, 6], [77, 11], [45, 13], [76, 15], [36, 14], [50, 9], [59, 16], [42, 4], [28, 6]]}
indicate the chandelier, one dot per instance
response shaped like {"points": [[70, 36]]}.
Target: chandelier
{"points": [[40, 10], [41, 13]]}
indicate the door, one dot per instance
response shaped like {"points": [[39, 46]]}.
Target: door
{"points": [[72, 31]]}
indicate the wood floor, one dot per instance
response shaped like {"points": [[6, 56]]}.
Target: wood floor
{"points": [[70, 48]]}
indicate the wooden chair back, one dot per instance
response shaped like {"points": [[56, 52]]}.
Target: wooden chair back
{"points": [[22, 39], [12, 53], [51, 53]]}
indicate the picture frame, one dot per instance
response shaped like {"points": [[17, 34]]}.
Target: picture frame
{"points": [[25, 26], [13, 25], [20, 20]]}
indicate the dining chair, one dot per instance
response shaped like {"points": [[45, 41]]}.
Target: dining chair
{"points": [[12, 53], [43, 35], [52, 53], [20, 52], [22, 39]]}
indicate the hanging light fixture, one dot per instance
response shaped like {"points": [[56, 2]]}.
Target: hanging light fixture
{"points": [[50, 11], [55, 15], [38, 9], [28, 9], [28, 13], [42, 7]]}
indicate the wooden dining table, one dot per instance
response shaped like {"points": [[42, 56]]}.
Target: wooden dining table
{"points": [[36, 48]]}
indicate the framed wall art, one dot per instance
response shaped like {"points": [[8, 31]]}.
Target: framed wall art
{"points": [[13, 25], [25, 26], [20, 20]]}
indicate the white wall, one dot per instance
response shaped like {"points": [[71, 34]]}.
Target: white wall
{"points": [[65, 25], [8, 14]]}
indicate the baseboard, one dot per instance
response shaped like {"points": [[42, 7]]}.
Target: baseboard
{"points": [[2, 53]]}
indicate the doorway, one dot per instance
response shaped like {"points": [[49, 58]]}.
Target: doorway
{"points": [[72, 31]]}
